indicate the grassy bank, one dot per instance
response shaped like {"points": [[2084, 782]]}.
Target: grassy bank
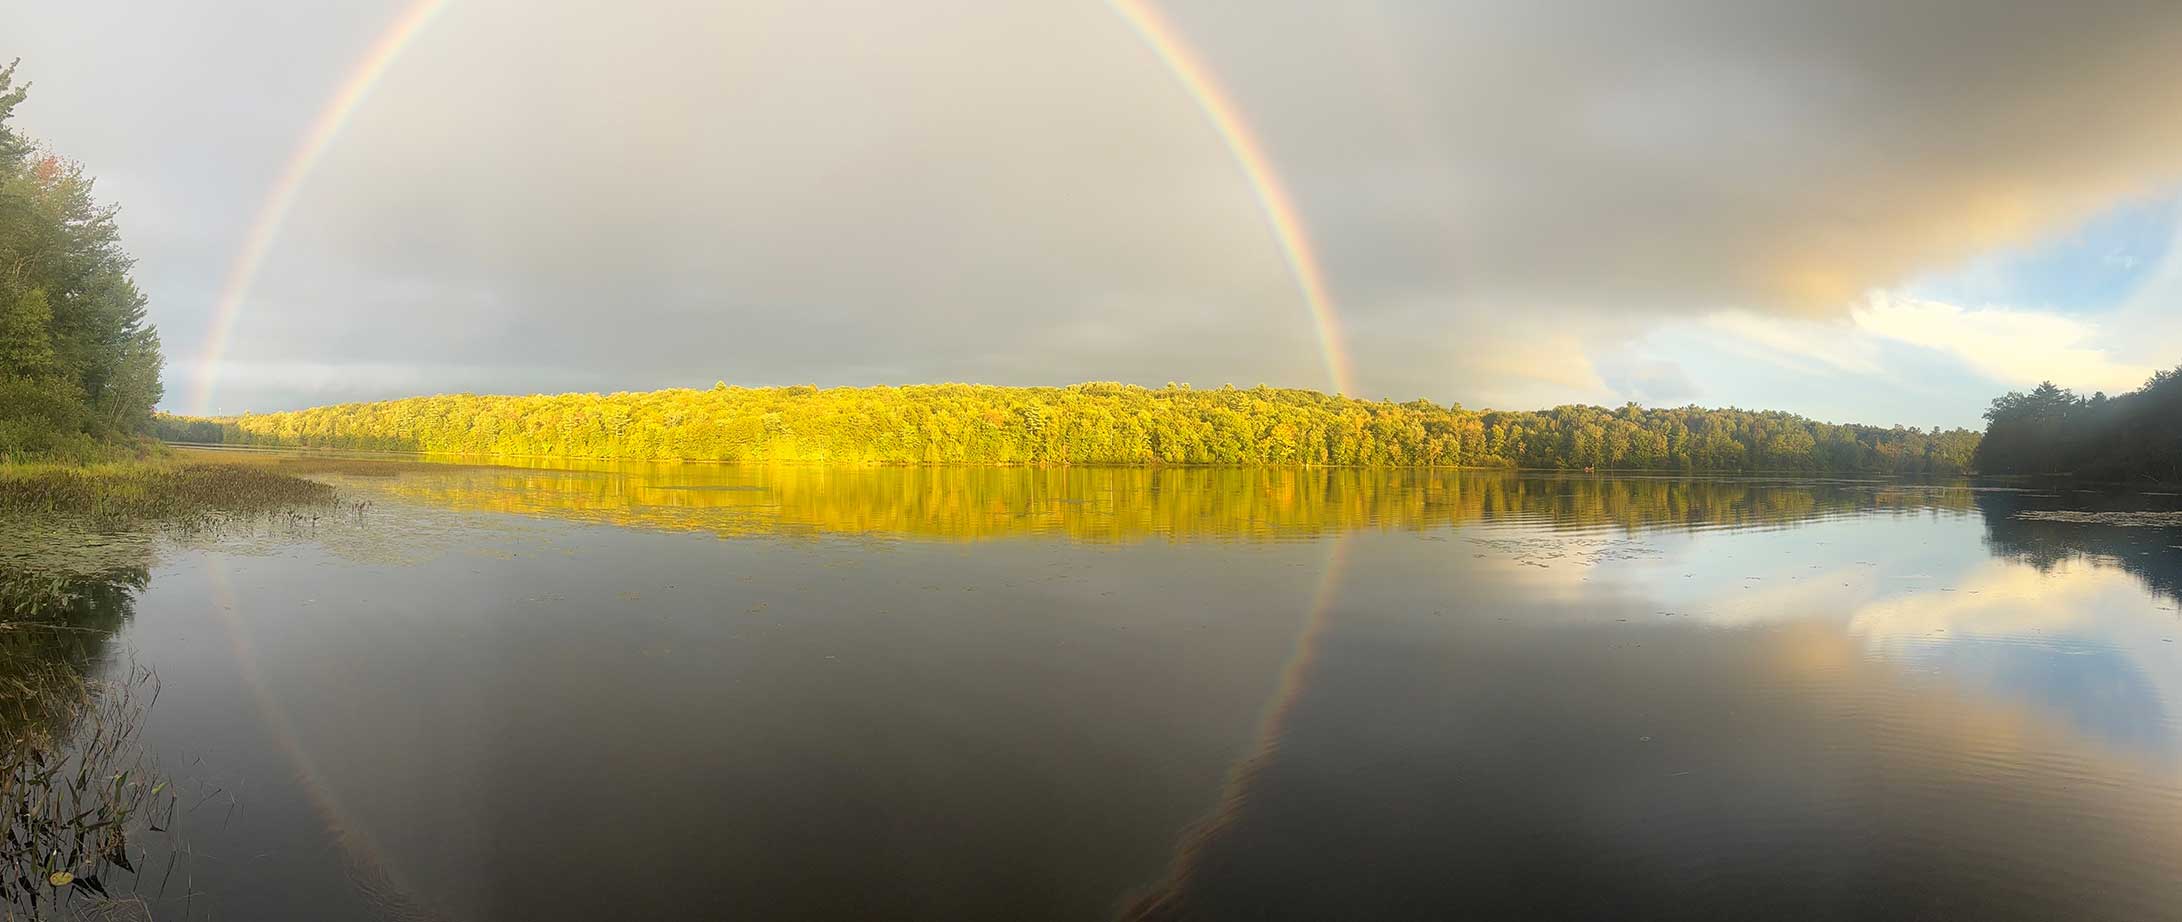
{"points": [[152, 490]]}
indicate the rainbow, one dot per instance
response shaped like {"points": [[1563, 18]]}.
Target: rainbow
{"points": [[1272, 729], [1158, 34], [274, 210], [1280, 212], [1295, 672], [374, 875]]}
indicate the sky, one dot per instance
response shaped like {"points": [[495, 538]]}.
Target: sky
{"points": [[1878, 212]]}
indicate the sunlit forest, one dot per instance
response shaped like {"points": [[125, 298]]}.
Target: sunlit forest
{"points": [[1096, 423], [79, 366], [2053, 430]]}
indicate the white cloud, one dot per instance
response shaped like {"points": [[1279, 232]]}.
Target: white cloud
{"points": [[1647, 379], [2016, 347], [2152, 317], [1831, 344]]}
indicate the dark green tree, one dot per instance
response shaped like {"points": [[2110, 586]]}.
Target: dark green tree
{"points": [[2050, 430], [79, 365]]}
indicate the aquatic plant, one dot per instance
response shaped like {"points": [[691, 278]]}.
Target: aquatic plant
{"points": [[82, 807], [77, 790], [152, 491]]}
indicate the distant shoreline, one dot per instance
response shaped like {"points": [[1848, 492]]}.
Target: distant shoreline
{"points": [[1097, 423]]}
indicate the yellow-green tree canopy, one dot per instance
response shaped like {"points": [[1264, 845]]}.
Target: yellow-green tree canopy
{"points": [[1096, 423]]}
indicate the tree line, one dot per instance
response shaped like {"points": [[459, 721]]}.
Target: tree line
{"points": [[2053, 430], [1094, 423], [79, 366]]}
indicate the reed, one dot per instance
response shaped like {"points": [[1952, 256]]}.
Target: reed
{"points": [[78, 794], [152, 491]]}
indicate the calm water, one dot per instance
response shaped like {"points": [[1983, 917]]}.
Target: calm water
{"points": [[651, 692]]}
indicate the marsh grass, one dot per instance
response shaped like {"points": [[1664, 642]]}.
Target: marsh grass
{"points": [[152, 492], [81, 449], [299, 464], [71, 532]]}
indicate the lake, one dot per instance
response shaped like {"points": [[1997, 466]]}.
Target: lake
{"points": [[629, 691]]}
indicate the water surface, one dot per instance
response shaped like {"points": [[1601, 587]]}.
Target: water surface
{"points": [[806, 693]]}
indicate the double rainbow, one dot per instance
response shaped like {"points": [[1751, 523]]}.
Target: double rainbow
{"points": [[1157, 33]]}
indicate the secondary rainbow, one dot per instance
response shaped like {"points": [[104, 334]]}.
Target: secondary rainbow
{"points": [[1280, 212], [1158, 34], [274, 210]]}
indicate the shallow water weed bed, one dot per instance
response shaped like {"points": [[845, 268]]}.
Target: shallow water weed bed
{"points": [[151, 492], [2152, 519], [63, 527], [80, 798]]}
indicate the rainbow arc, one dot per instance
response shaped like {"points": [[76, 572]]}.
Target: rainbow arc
{"points": [[1226, 119]]}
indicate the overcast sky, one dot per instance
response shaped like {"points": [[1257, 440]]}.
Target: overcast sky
{"points": [[1863, 211]]}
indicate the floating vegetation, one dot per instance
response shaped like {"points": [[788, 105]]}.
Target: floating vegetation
{"points": [[48, 566], [2124, 519], [1576, 550], [70, 533]]}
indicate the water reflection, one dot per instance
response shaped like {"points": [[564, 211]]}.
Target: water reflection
{"points": [[64, 592], [1980, 737], [81, 805], [1124, 504], [1704, 774], [2151, 553], [1350, 694], [88, 607]]}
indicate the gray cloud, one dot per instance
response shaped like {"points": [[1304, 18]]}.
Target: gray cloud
{"points": [[553, 195]]}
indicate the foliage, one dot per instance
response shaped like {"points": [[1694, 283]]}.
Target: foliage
{"points": [[1098, 423], [171, 428], [2052, 430], [79, 366]]}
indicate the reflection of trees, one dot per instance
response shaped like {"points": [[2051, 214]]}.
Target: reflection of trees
{"points": [[75, 788], [65, 588], [57, 626], [2151, 554], [1112, 504], [97, 603]]}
